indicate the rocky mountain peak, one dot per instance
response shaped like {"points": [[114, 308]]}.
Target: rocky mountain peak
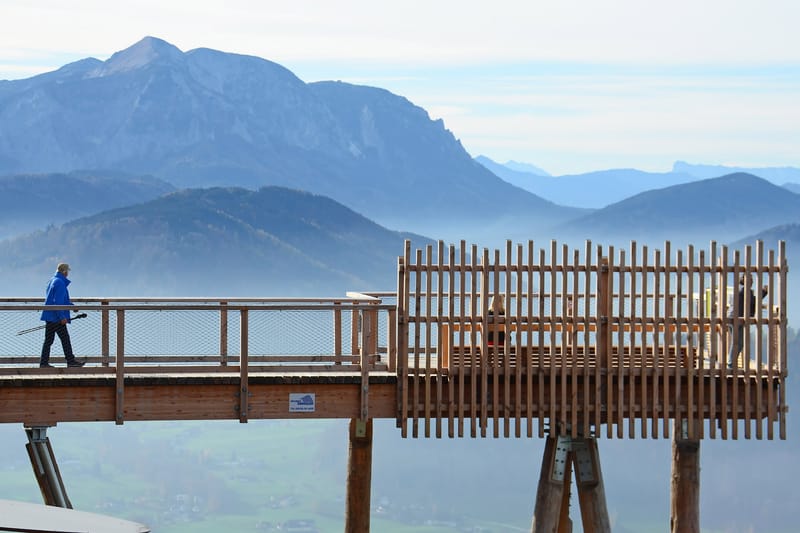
{"points": [[148, 51]]}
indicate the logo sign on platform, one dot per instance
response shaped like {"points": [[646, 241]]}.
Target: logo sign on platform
{"points": [[302, 402]]}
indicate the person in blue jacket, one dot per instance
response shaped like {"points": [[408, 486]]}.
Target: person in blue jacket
{"points": [[57, 320]]}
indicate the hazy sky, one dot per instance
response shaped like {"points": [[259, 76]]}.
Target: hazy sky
{"points": [[570, 86]]}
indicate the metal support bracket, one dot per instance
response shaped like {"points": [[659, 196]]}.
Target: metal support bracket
{"points": [[563, 447], [585, 467], [361, 428]]}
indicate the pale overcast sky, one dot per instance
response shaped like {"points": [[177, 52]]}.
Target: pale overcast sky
{"points": [[570, 86]]}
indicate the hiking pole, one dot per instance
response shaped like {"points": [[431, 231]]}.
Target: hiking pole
{"points": [[82, 315]]}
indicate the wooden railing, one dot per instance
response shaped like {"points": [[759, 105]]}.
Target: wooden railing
{"points": [[352, 334], [630, 338]]}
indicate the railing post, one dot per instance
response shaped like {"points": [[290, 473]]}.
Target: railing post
{"points": [[367, 328], [337, 333], [120, 367], [244, 391], [391, 343], [223, 334], [603, 311], [104, 334]]}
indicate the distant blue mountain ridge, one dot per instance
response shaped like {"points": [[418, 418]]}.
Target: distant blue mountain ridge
{"points": [[593, 190]]}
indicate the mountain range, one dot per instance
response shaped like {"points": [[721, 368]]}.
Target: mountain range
{"points": [[214, 242], [723, 209], [153, 120], [207, 118], [34, 201]]}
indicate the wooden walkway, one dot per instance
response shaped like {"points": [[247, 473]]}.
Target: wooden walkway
{"points": [[632, 340]]}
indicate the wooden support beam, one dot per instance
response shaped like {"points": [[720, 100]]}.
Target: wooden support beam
{"points": [[359, 476], [45, 468], [685, 485], [550, 492], [564, 522], [591, 491]]}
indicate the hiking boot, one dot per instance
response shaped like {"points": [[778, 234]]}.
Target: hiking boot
{"points": [[46, 365], [75, 363]]}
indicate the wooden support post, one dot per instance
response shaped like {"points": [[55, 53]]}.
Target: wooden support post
{"points": [[550, 493], [685, 486], [564, 522], [45, 468], [591, 492], [359, 476]]}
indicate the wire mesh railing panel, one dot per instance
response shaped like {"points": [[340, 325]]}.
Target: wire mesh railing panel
{"points": [[293, 332], [169, 332]]}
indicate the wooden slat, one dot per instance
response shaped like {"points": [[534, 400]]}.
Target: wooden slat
{"points": [[679, 416], [715, 352], [448, 336], [734, 413], [645, 305], [667, 341], [403, 287], [724, 362], [529, 381], [506, 344], [518, 412], [462, 309], [608, 364], [621, 362], [773, 344], [428, 370], [440, 279], [759, 412], [587, 305], [572, 308], [416, 384], [632, 363], [598, 419], [783, 341], [475, 407], [484, 389], [703, 346], [746, 352], [554, 429], [563, 299], [658, 375]]}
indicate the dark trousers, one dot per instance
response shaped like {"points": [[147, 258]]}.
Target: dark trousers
{"points": [[50, 331]]}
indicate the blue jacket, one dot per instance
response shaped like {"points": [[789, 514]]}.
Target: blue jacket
{"points": [[57, 294]]}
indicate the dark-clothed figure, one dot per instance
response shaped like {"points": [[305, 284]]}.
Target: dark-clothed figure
{"points": [[57, 320], [497, 308], [745, 297]]}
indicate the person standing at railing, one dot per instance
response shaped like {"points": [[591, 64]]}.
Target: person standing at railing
{"points": [[56, 320], [745, 297], [497, 310]]}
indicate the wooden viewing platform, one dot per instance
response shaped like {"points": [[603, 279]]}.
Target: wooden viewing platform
{"points": [[635, 340]]}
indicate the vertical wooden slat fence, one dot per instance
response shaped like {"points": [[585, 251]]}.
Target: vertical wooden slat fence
{"points": [[633, 338]]}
